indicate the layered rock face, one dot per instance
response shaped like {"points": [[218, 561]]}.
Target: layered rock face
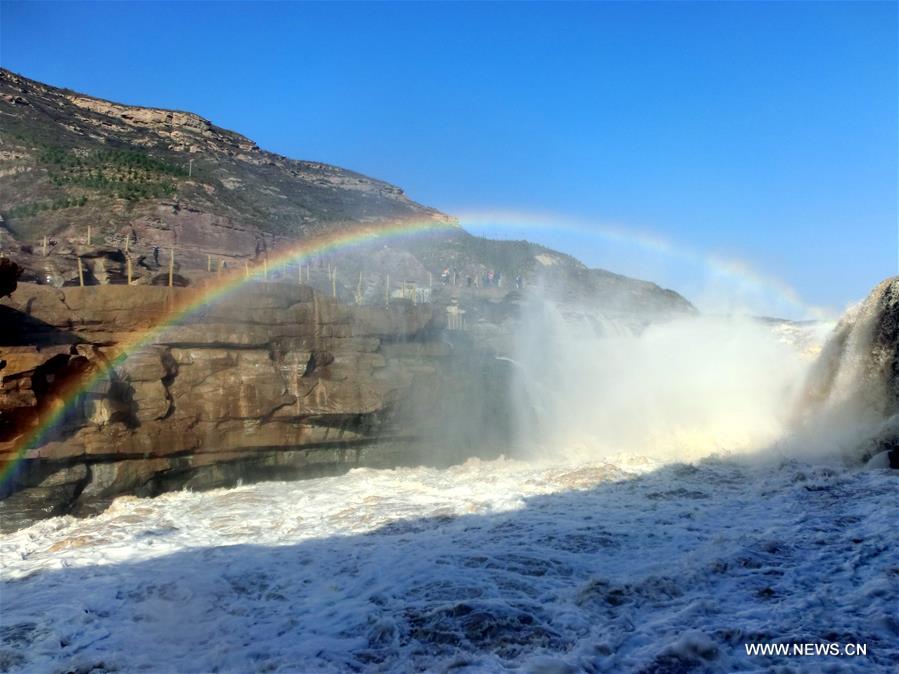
{"points": [[854, 385], [276, 381]]}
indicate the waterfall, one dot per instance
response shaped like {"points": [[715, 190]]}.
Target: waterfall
{"points": [[597, 385], [850, 400]]}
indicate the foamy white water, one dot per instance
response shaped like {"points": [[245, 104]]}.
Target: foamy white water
{"points": [[489, 566]]}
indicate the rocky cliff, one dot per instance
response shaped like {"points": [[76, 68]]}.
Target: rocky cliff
{"points": [[276, 382], [852, 392]]}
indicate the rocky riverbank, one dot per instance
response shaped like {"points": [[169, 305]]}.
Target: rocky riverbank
{"points": [[275, 382]]}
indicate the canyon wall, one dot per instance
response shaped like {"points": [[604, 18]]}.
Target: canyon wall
{"points": [[275, 382]]}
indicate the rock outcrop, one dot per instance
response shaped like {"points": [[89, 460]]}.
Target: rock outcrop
{"points": [[276, 382], [9, 276], [853, 388]]}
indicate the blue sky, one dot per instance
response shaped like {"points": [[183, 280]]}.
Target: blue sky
{"points": [[761, 135]]}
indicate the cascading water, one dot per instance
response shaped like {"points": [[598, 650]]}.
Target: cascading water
{"points": [[576, 562], [687, 387], [850, 401], [677, 389]]}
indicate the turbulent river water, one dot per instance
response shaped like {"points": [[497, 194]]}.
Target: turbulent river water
{"points": [[619, 565], [667, 559]]}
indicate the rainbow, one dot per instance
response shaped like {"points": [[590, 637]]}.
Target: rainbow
{"points": [[739, 276], [186, 302]]}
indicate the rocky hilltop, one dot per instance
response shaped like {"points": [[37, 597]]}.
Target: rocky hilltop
{"points": [[166, 177]]}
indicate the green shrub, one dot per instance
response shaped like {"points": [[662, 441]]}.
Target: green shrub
{"points": [[126, 174], [35, 207]]}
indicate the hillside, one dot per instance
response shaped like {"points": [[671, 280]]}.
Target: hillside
{"points": [[172, 179], [70, 160]]}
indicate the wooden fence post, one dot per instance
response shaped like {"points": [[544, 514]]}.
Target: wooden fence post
{"points": [[129, 270], [88, 235], [80, 273], [209, 263], [45, 246]]}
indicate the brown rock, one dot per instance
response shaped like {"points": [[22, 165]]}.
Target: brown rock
{"points": [[277, 381]]}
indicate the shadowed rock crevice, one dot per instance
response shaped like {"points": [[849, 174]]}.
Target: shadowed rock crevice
{"points": [[9, 276]]}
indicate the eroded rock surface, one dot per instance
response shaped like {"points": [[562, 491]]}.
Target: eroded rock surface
{"points": [[104, 393]]}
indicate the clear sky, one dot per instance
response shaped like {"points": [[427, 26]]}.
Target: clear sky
{"points": [[685, 140]]}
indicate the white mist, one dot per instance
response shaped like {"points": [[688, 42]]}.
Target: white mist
{"points": [[594, 387]]}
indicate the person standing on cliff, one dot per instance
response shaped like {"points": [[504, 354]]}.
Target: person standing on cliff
{"points": [[156, 255]]}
